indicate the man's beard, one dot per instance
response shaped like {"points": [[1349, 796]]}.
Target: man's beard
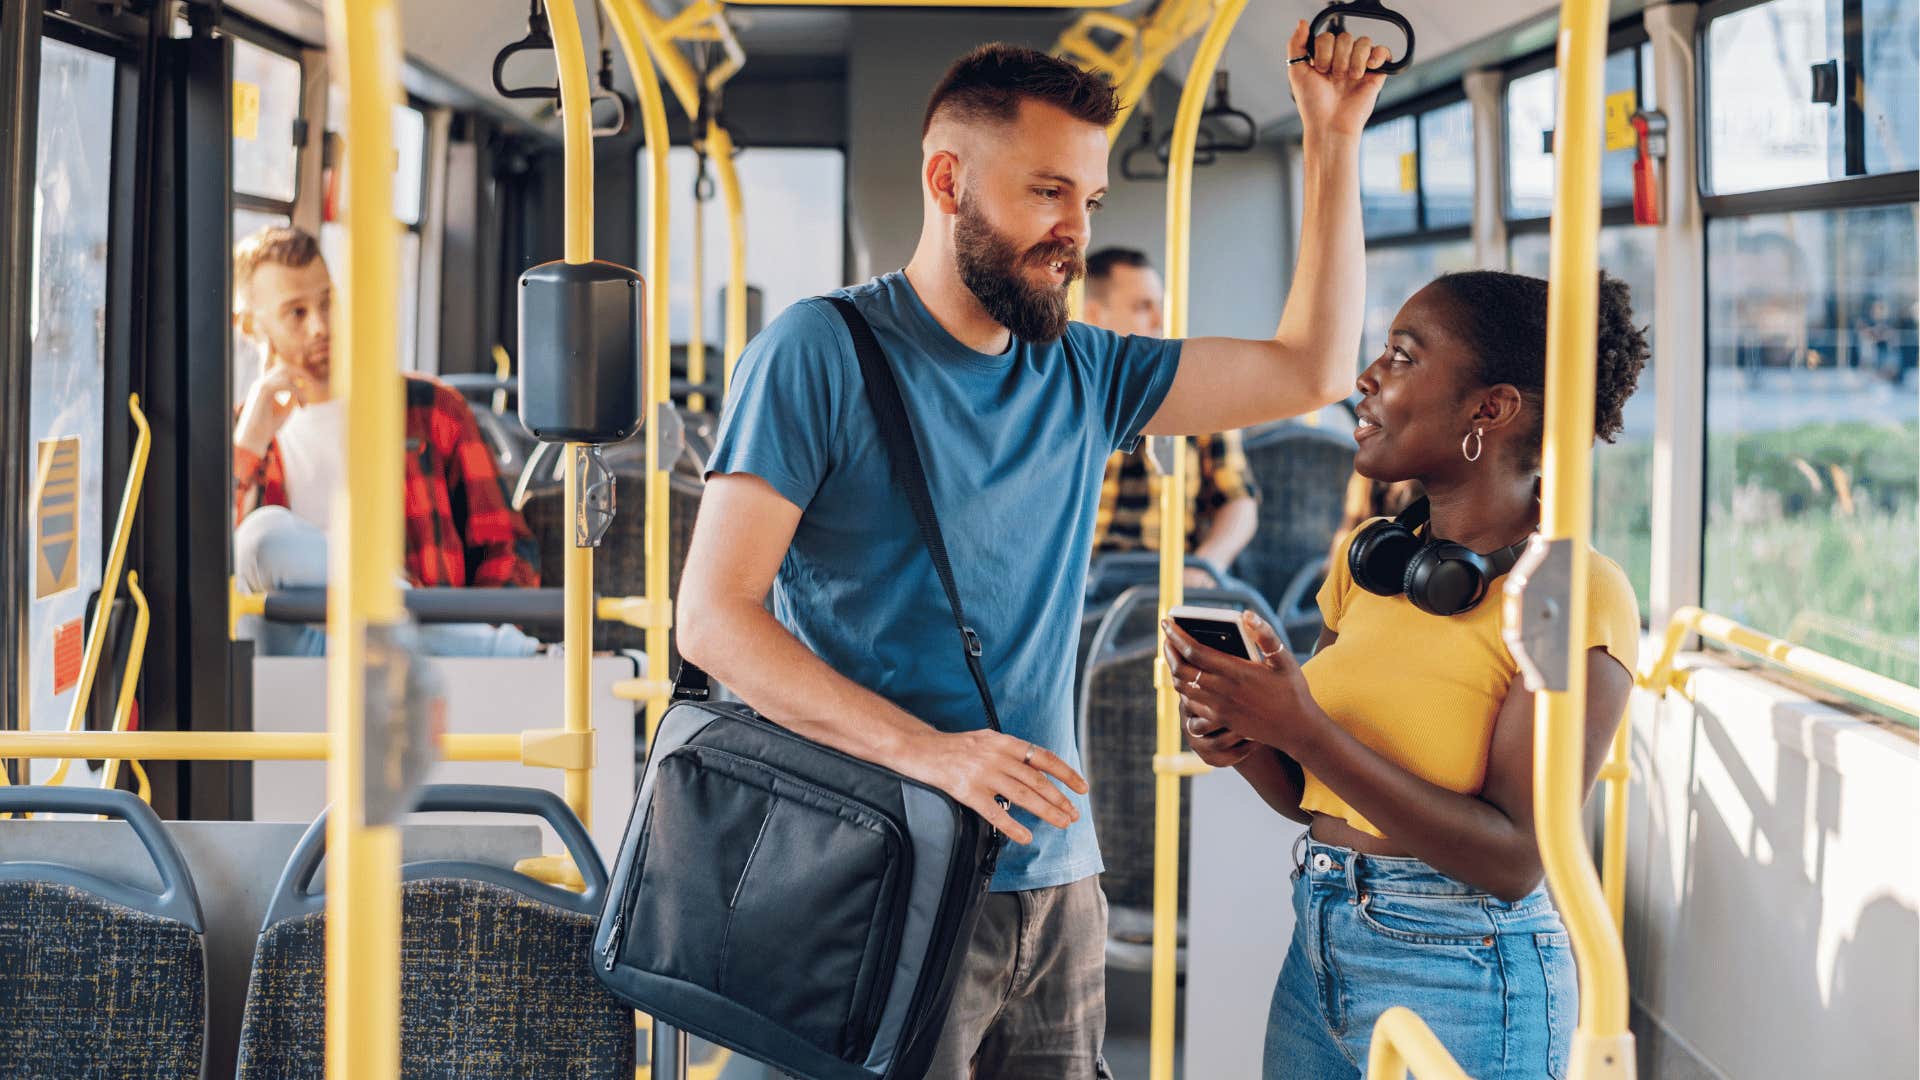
{"points": [[991, 266]]}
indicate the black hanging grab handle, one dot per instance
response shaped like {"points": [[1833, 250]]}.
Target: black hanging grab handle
{"points": [[539, 38], [1366, 9], [1224, 128]]}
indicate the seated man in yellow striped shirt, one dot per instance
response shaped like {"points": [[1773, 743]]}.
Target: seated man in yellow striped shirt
{"points": [[1124, 295]]}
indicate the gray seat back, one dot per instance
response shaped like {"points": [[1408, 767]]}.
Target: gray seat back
{"points": [[494, 976], [99, 977], [1118, 737], [1303, 473]]}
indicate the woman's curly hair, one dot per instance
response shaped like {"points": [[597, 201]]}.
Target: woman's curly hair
{"points": [[1503, 318]]}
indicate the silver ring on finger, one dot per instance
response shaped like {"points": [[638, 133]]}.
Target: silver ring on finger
{"points": [[1027, 758]]}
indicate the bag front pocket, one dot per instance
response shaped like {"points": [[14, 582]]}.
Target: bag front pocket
{"points": [[771, 891]]}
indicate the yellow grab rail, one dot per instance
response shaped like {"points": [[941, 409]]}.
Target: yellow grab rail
{"points": [[549, 748], [1617, 775], [1798, 659], [130, 678], [110, 580], [1141, 52], [1168, 766], [576, 115], [631, 19], [697, 300], [1546, 596], [363, 860], [720, 145], [1402, 1042]]}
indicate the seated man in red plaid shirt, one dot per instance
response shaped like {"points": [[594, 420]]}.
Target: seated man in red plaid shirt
{"points": [[288, 464]]}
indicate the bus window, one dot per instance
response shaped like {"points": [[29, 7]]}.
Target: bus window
{"points": [[1389, 187], [67, 321], [1416, 192], [266, 103], [409, 190], [1446, 165], [1765, 129], [1530, 105], [1813, 427], [795, 204], [1622, 497]]}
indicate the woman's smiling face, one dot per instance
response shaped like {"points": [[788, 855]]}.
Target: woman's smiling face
{"points": [[1415, 406]]}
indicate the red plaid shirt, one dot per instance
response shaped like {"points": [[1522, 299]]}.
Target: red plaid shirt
{"points": [[460, 530]]}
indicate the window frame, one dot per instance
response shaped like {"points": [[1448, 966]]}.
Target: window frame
{"points": [[1441, 97], [1622, 36], [1856, 189], [264, 37]]}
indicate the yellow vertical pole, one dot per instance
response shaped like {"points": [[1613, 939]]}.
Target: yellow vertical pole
{"points": [[1613, 849], [363, 861], [577, 131], [1173, 545], [1602, 1046], [720, 144], [697, 307], [629, 24]]}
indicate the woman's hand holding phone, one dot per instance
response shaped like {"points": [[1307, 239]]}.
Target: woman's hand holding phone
{"points": [[1265, 700], [1215, 744]]}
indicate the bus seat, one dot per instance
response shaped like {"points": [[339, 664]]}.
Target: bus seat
{"points": [[1302, 472], [99, 977], [1117, 742], [620, 566], [493, 973]]}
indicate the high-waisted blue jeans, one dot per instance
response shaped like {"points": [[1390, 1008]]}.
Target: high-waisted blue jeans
{"points": [[1494, 980]]}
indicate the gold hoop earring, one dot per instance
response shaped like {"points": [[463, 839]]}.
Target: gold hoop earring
{"points": [[1479, 444]]}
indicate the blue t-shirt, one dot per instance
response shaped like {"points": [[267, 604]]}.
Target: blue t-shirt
{"points": [[1015, 447]]}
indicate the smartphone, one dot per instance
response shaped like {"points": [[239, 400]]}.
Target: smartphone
{"points": [[1216, 628]]}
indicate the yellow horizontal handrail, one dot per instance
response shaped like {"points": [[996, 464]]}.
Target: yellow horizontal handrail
{"points": [[544, 749], [1798, 659], [1401, 1042]]}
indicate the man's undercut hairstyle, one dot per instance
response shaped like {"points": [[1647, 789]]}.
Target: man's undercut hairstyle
{"points": [[1101, 265], [279, 244], [988, 84]]}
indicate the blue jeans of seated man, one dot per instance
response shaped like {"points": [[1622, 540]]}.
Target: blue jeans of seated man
{"points": [[276, 549], [1494, 980]]}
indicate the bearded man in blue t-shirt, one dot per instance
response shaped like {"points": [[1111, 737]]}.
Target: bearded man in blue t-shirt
{"points": [[1016, 411]]}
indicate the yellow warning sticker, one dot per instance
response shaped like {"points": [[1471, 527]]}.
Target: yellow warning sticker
{"points": [[1620, 110], [56, 502], [246, 110], [1409, 171]]}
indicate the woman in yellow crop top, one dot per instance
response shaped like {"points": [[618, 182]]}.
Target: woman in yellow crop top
{"points": [[1406, 742]]}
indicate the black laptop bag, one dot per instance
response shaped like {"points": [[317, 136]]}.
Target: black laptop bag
{"points": [[788, 901]]}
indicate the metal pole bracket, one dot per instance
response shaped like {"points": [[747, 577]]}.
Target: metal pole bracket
{"points": [[1538, 594]]}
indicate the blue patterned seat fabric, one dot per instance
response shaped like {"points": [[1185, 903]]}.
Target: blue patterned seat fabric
{"points": [[91, 989], [493, 984]]}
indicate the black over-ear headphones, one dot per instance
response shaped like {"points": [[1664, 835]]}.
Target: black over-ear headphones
{"points": [[1440, 577]]}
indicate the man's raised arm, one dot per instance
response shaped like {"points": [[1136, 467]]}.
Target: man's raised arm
{"points": [[743, 532], [1229, 383]]}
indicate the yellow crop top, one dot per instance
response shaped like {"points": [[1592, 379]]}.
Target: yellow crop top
{"points": [[1423, 690]]}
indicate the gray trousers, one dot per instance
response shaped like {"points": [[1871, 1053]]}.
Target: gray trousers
{"points": [[1030, 1002]]}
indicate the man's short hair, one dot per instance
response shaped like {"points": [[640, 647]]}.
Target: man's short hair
{"points": [[1102, 263], [989, 83], [280, 244]]}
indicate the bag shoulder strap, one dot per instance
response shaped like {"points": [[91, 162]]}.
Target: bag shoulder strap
{"points": [[883, 392], [896, 430]]}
